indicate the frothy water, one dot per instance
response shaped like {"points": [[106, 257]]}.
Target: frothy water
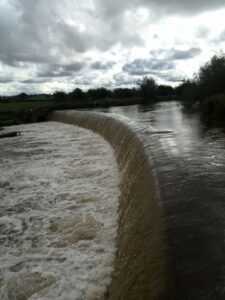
{"points": [[59, 188]]}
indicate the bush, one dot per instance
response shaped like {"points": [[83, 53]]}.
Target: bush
{"points": [[209, 81], [165, 90], [125, 93], [211, 76], [213, 109], [77, 95], [60, 97], [148, 89], [99, 93]]}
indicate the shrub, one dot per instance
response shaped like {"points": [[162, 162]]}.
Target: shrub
{"points": [[213, 109], [148, 89]]}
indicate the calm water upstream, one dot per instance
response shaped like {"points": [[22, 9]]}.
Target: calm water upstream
{"points": [[190, 161]]}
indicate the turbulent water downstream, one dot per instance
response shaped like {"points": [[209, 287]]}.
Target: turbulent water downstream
{"points": [[58, 213], [190, 161]]}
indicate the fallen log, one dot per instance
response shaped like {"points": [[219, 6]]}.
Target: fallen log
{"points": [[9, 134]]}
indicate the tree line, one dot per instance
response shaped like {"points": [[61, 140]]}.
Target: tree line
{"points": [[147, 90], [209, 81], [206, 90]]}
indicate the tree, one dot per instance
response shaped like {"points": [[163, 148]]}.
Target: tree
{"points": [[148, 89], [211, 76], [188, 90], [22, 96], [99, 93], [125, 93], [165, 90], [209, 81], [77, 95], [60, 97]]}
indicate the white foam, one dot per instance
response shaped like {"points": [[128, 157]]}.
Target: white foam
{"points": [[59, 189]]}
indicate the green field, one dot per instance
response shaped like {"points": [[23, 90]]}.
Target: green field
{"points": [[18, 106], [17, 112]]}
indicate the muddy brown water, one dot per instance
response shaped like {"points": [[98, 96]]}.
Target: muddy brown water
{"points": [[189, 159], [140, 266]]}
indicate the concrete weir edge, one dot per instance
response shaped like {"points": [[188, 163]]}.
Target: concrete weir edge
{"points": [[140, 267]]}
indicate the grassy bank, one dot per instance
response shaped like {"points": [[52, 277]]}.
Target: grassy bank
{"points": [[18, 106], [27, 111], [18, 112]]}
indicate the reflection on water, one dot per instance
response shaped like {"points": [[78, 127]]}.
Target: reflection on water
{"points": [[190, 162]]}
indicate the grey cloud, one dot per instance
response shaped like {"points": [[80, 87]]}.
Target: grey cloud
{"points": [[160, 64], [55, 33], [172, 77], [39, 31], [98, 65], [222, 36], [184, 54], [71, 38], [175, 54], [157, 53], [202, 32], [20, 40], [36, 31], [86, 80], [56, 70], [160, 7], [74, 67], [185, 7], [26, 88], [147, 66], [5, 80], [121, 80], [34, 81], [82, 81], [56, 73]]}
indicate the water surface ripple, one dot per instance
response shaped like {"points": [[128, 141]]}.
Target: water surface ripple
{"points": [[190, 161]]}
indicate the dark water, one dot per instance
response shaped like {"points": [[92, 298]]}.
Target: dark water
{"points": [[190, 161]]}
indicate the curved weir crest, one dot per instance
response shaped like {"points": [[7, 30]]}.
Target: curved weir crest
{"points": [[140, 268]]}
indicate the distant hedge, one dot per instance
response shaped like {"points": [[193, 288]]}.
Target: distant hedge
{"points": [[213, 109]]}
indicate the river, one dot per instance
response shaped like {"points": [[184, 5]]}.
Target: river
{"points": [[59, 188], [189, 159]]}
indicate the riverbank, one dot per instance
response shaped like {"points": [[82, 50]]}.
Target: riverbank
{"points": [[211, 110], [29, 111], [22, 112]]}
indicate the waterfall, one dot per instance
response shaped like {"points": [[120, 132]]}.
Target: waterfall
{"points": [[140, 267]]}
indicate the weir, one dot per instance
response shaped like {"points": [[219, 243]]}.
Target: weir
{"points": [[140, 268]]}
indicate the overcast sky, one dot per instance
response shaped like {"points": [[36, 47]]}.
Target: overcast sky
{"points": [[49, 45]]}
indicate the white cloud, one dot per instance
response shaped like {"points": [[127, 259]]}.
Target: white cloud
{"points": [[47, 42]]}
